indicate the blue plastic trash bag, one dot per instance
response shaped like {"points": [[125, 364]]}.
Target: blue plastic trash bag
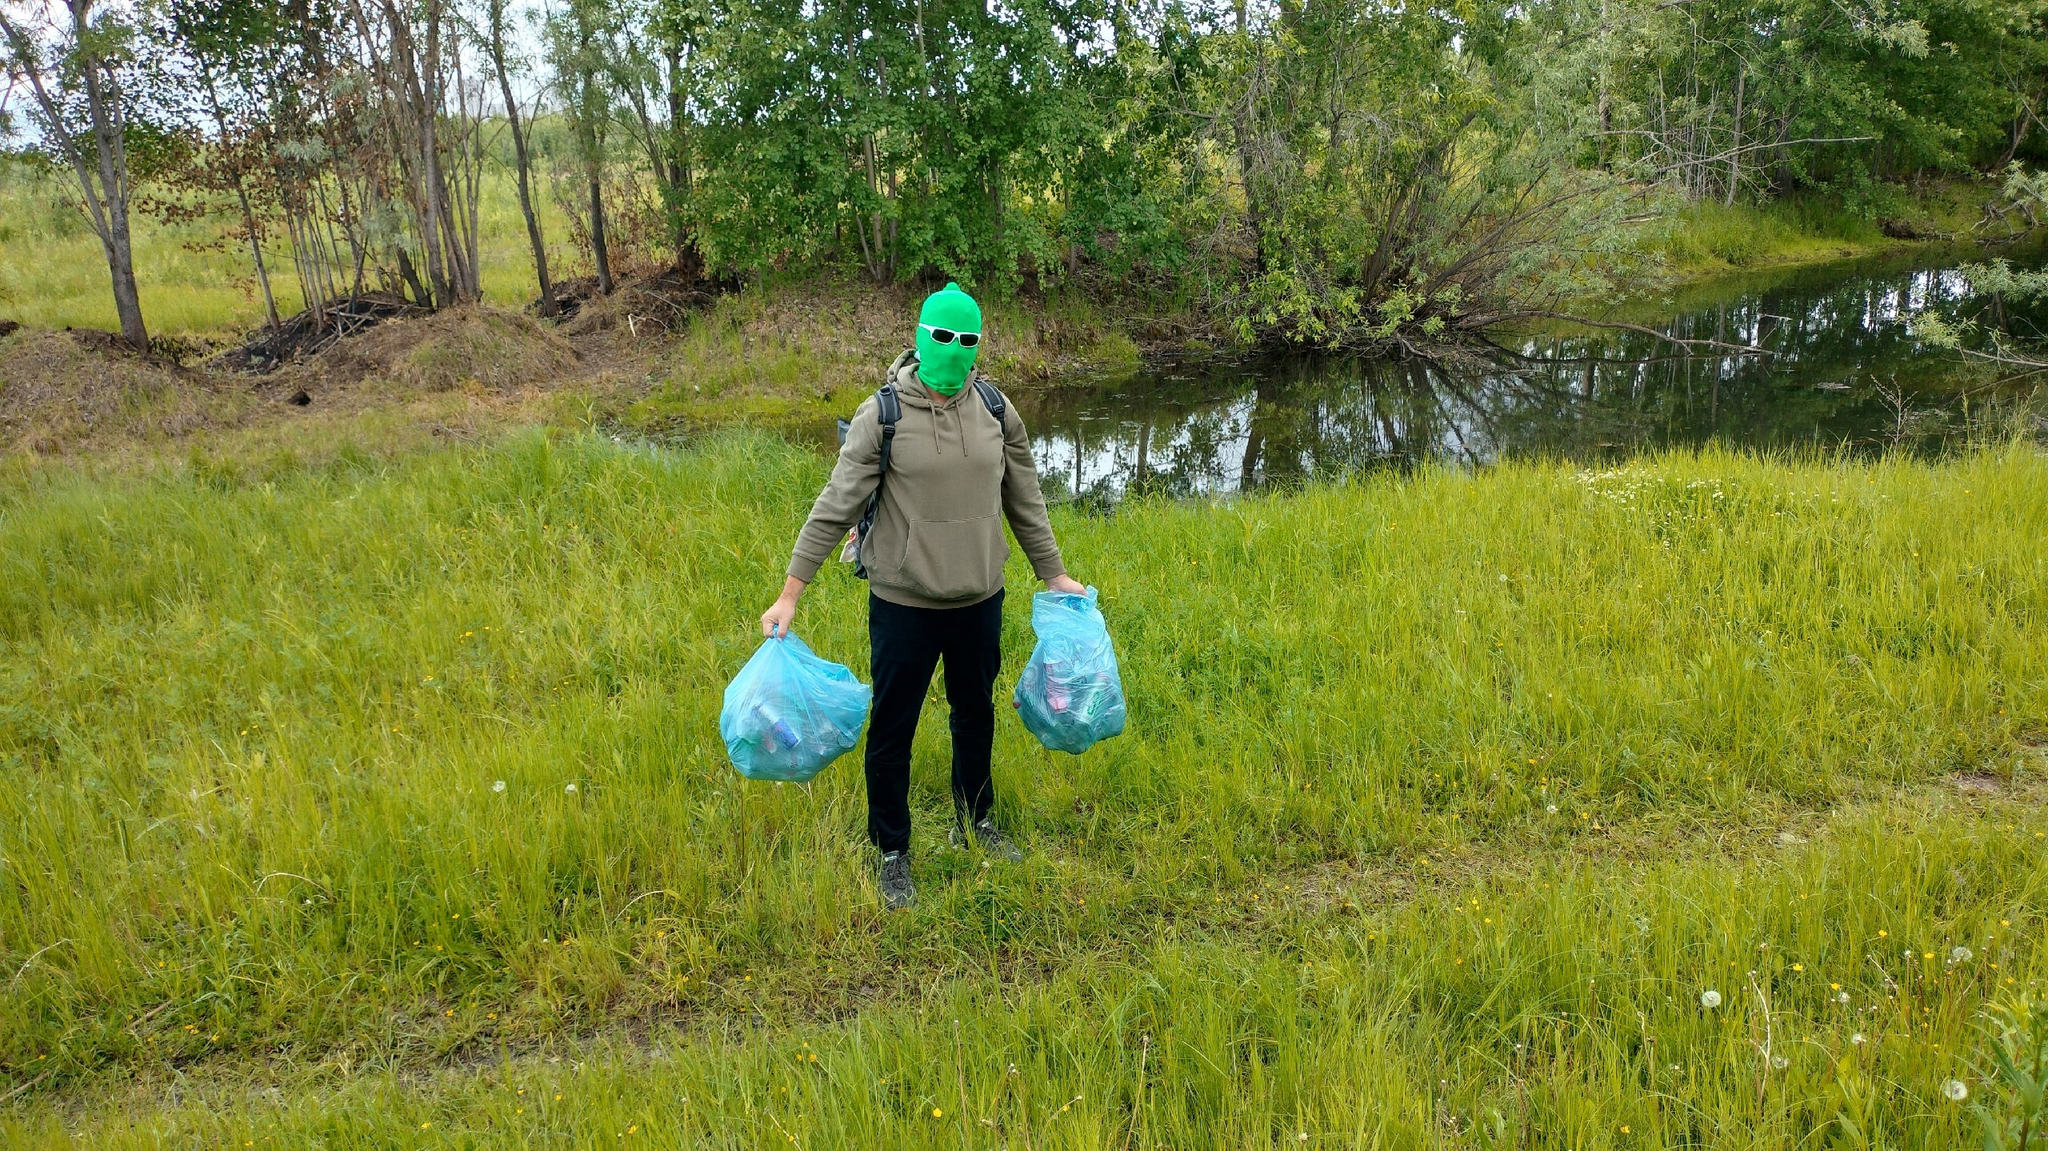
{"points": [[788, 713], [1070, 695]]}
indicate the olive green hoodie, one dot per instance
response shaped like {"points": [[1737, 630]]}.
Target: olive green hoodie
{"points": [[954, 475]]}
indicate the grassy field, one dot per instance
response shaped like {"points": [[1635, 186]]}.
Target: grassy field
{"points": [[368, 800], [195, 276]]}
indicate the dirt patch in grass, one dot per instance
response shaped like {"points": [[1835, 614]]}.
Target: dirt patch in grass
{"points": [[460, 347], [60, 391], [63, 392], [659, 303]]}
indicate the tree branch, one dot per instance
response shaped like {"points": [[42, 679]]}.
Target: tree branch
{"points": [[1667, 337]]}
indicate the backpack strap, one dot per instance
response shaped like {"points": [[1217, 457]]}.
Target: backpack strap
{"points": [[991, 398], [888, 411]]}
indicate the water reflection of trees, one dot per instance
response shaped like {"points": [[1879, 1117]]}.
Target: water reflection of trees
{"points": [[1187, 429]]}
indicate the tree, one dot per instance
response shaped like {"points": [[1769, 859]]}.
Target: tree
{"points": [[432, 114], [233, 41], [657, 69], [494, 46], [75, 65], [576, 41]]}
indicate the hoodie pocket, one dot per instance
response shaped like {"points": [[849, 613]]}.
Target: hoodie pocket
{"points": [[955, 559]]}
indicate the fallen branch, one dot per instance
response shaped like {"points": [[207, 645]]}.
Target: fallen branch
{"points": [[2027, 364], [1667, 337], [9, 1097]]}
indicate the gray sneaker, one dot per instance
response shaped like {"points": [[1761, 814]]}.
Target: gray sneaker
{"points": [[989, 837], [898, 893]]}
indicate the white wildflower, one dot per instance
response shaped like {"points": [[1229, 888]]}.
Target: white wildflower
{"points": [[1780, 1062], [571, 789], [499, 785], [1857, 1039]]}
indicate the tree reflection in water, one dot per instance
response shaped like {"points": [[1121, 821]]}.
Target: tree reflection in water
{"points": [[1843, 363]]}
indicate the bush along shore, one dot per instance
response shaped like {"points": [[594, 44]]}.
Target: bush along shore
{"points": [[379, 803]]}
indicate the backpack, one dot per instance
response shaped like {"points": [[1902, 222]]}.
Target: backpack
{"points": [[888, 410]]}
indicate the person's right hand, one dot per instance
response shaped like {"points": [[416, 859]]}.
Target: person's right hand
{"points": [[776, 620]]}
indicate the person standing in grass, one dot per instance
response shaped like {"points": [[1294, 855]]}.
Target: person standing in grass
{"points": [[959, 465]]}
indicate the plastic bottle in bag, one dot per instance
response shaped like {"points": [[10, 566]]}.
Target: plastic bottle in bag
{"points": [[1071, 695], [788, 712]]}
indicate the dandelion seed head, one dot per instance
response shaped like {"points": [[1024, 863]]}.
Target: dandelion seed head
{"points": [[570, 789], [1857, 1039], [1960, 954], [1955, 1090], [1710, 999], [498, 785]]}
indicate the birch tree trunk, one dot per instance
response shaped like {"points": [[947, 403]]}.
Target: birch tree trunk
{"points": [[103, 182], [521, 160]]}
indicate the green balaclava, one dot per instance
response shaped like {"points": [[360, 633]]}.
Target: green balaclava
{"points": [[944, 367]]}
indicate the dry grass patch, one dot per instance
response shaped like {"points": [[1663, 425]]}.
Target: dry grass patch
{"points": [[60, 391], [442, 351]]}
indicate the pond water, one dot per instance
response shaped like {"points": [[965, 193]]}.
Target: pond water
{"points": [[1846, 374]]}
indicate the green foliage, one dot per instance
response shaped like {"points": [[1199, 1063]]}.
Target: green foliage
{"points": [[947, 138], [1336, 173], [2018, 1075], [1740, 97], [1989, 335]]}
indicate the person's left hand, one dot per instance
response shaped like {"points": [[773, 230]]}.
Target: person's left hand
{"points": [[1068, 584]]}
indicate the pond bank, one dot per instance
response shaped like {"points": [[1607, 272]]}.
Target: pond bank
{"points": [[1709, 240], [790, 357]]}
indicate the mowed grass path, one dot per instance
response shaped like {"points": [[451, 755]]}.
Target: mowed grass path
{"points": [[1444, 801]]}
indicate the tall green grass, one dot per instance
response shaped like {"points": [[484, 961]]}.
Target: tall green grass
{"points": [[256, 716], [1553, 1007], [1705, 236]]}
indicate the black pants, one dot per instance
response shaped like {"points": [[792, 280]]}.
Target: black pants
{"points": [[907, 644]]}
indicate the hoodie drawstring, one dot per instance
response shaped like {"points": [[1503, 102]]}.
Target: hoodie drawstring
{"points": [[943, 407]]}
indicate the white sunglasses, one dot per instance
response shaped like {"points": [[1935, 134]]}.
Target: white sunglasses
{"points": [[948, 335]]}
